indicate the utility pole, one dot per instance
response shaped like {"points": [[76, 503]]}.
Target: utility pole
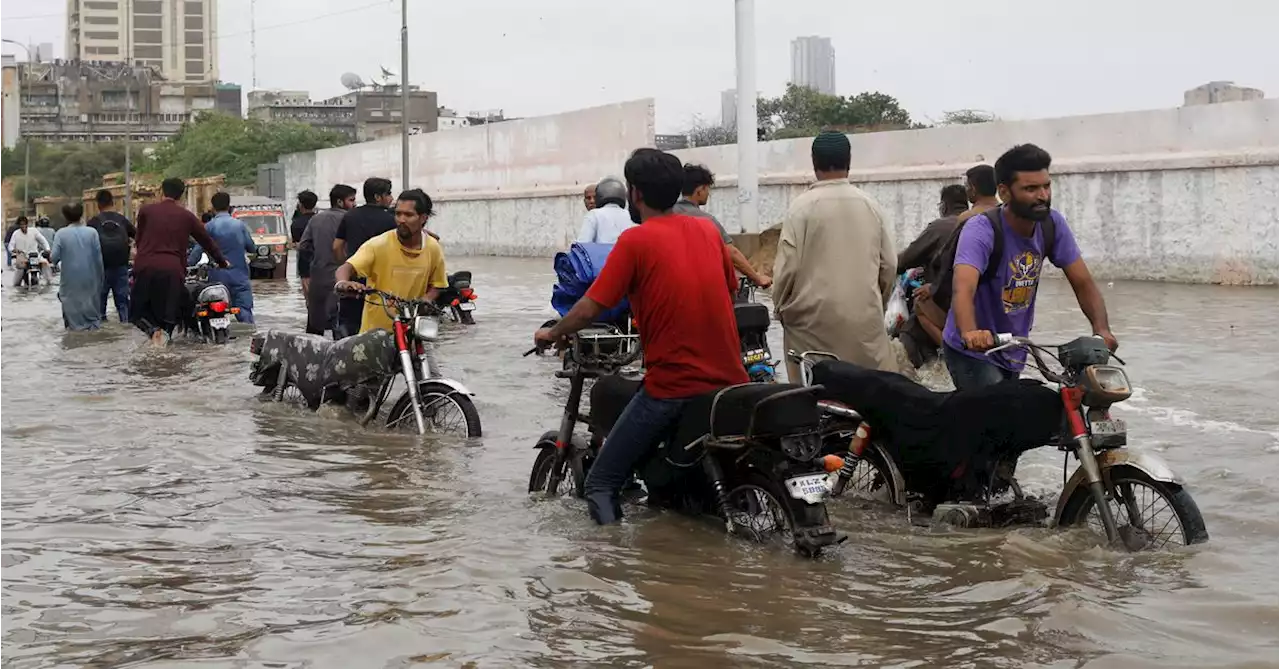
{"points": [[404, 94], [26, 178], [748, 180], [128, 115]]}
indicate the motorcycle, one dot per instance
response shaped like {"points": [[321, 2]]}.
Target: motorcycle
{"points": [[458, 300], [209, 310], [359, 372], [891, 452], [747, 455], [31, 275], [753, 327]]}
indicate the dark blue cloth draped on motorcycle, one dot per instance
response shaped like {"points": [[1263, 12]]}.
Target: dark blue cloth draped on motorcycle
{"points": [[576, 270]]}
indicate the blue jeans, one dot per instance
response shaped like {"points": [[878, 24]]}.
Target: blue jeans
{"points": [[644, 424], [968, 373], [242, 297], [115, 280]]}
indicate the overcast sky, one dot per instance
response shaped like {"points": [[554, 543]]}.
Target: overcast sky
{"points": [[533, 57]]}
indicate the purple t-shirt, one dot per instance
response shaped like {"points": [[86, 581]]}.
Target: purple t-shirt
{"points": [[1008, 302]]}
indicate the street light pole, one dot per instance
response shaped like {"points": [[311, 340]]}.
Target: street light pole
{"points": [[128, 114], [26, 178], [748, 180], [404, 94]]}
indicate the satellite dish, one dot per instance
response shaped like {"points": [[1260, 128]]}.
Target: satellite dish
{"points": [[352, 82]]}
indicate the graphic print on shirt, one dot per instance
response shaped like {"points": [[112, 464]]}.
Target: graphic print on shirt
{"points": [[1024, 276]]}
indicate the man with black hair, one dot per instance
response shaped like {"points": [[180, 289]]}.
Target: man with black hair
{"points": [[22, 243], [922, 334], [406, 262], [980, 189], [836, 266], [695, 193], [301, 217], [996, 277], [232, 237], [79, 250], [116, 235], [317, 242], [160, 264], [358, 226], [663, 265]]}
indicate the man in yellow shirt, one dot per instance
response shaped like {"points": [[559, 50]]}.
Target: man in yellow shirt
{"points": [[405, 262]]}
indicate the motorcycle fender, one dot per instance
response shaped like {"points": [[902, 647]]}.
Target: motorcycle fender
{"points": [[456, 386], [548, 438], [1148, 463]]}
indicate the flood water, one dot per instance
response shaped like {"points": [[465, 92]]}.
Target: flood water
{"points": [[156, 514]]}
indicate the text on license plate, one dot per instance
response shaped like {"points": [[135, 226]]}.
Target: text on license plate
{"points": [[467, 306], [1102, 427], [219, 323], [810, 488]]}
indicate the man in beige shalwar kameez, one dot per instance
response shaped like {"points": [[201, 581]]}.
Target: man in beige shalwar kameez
{"points": [[835, 267]]}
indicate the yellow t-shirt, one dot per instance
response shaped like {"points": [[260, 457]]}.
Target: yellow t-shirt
{"points": [[389, 266]]}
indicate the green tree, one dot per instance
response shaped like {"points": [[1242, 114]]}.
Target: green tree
{"points": [[967, 117], [64, 169], [804, 112], [216, 143], [701, 133]]}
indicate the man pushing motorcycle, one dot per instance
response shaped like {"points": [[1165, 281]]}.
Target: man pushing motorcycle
{"points": [[665, 263]]}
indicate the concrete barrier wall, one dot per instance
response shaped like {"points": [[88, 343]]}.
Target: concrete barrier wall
{"points": [[1187, 194]]}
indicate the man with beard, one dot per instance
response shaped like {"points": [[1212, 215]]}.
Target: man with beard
{"points": [[317, 243], [995, 279], [405, 262]]}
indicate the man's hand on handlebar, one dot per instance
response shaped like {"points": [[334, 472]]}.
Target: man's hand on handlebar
{"points": [[978, 340], [1110, 339], [349, 287], [544, 338]]}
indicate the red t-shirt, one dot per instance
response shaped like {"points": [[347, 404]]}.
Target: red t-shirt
{"points": [[678, 276]]}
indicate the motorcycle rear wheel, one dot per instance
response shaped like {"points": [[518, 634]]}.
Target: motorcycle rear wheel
{"points": [[761, 512], [219, 336], [437, 398], [1151, 499], [466, 318]]}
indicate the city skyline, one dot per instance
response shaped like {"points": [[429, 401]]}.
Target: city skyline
{"points": [[146, 32], [813, 63]]}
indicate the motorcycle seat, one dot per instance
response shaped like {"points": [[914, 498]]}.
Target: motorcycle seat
{"points": [[314, 362], [752, 318]]}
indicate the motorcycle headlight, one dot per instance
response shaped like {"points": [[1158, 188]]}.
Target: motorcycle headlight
{"points": [[426, 327], [1105, 385], [264, 251]]}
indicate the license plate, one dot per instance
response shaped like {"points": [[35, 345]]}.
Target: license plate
{"points": [[1108, 427], [219, 323], [467, 306], [812, 488], [754, 356]]}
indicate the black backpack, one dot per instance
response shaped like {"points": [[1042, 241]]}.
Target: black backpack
{"points": [[114, 237], [946, 258]]}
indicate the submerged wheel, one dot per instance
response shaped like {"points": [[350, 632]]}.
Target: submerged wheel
{"points": [[444, 410], [466, 318], [760, 511], [1150, 514], [220, 336], [872, 479], [572, 478]]}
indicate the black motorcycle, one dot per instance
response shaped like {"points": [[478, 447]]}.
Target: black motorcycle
{"points": [[753, 328], [207, 312], [748, 455], [458, 300], [31, 275]]}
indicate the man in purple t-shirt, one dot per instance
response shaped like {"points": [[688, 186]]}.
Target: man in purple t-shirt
{"points": [[1006, 302]]}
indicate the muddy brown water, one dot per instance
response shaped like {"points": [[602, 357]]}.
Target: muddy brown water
{"points": [[156, 514]]}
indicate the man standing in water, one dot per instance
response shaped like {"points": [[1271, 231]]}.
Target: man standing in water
{"points": [[358, 226], [116, 235], [160, 267], [317, 241], [234, 241], [405, 262], [79, 250], [836, 266], [306, 210]]}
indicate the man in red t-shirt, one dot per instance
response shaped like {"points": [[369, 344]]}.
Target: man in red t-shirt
{"points": [[678, 275]]}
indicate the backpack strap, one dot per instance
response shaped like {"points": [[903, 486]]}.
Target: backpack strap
{"points": [[997, 244], [1049, 234]]}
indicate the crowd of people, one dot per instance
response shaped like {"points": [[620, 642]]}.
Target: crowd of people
{"points": [[835, 268]]}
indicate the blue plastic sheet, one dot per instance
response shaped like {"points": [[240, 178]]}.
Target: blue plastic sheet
{"points": [[576, 270]]}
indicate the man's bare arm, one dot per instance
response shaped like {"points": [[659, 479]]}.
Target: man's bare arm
{"points": [[582, 314], [1090, 299], [743, 265]]}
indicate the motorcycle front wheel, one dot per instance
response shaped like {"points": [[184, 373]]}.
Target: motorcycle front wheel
{"points": [[1150, 514], [571, 475], [444, 410]]}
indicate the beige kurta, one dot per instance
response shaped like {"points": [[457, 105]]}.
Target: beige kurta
{"points": [[833, 275]]}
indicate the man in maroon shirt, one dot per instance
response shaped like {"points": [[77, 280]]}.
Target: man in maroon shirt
{"points": [[160, 266], [663, 266]]}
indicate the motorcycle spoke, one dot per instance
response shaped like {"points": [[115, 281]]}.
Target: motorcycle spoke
{"points": [[1150, 504]]}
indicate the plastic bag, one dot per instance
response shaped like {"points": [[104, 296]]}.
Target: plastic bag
{"points": [[895, 313]]}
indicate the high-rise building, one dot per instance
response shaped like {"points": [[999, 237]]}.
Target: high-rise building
{"points": [[729, 108], [1220, 91], [176, 37], [813, 64]]}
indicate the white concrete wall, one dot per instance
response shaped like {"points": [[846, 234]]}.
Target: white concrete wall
{"points": [[1187, 194]]}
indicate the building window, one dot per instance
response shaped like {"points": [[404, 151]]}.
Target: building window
{"points": [[102, 20], [102, 35], [193, 8], [194, 37], [102, 6], [195, 52], [195, 67], [102, 50], [147, 37], [194, 23], [148, 7], [146, 23], [148, 52]]}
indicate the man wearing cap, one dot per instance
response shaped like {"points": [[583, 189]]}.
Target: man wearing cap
{"points": [[835, 266]]}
